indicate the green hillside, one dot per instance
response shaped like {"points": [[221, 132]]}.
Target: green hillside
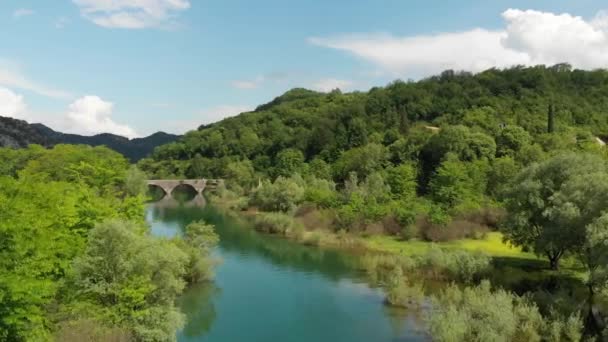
{"points": [[484, 112]]}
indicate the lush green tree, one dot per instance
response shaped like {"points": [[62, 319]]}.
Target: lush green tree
{"points": [[402, 180], [320, 169], [362, 160], [500, 175], [534, 204], [456, 183], [241, 173], [321, 192], [135, 181], [511, 139], [199, 239], [130, 279], [281, 195], [288, 162]]}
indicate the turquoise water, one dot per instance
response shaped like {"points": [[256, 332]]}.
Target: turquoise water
{"points": [[270, 289]]}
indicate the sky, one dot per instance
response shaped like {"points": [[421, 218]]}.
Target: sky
{"points": [[134, 67]]}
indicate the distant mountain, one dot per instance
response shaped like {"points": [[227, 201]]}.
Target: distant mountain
{"points": [[17, 133]]}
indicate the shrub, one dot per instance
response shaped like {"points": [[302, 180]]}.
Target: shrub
{"points": [[400, 293], [321, 192], [282, 195], [379, 266], [479, 314], [275, 223], [92, 331], [458, 265]]}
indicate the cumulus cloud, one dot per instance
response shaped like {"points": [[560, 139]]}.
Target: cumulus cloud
{"points": [[22, 12], [328, 84], [12, 104], [529, 37], [131, 14], [92, 115], [61, 22], [12, 77]]}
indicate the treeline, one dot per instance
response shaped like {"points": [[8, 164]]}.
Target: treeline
{"points": [[77, 262]]}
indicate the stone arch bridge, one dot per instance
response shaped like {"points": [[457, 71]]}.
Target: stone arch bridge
{"points": [[199, 185]]}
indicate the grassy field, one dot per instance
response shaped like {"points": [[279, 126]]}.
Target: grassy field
{"points": [[492, 245]]}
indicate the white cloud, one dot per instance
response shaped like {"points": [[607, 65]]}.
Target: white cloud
{"points": [[529, 38], [61, 22], [22, 12], [131, 14], [11, 77], [92, 115], [12, 105], [329, 84]]}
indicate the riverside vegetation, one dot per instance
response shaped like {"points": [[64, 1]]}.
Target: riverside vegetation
{"points": [[77, 262], [499, 175]]}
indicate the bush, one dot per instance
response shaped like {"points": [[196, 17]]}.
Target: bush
{"points": [[282, 195], [479, 314], [91, 331], [275, 223], [379, 266], [463, 227], [400, 293], [321, 192], [458, 265]]}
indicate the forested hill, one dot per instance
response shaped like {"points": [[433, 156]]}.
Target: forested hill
{"points": [[17, 133], [133, 149], [496, 112]]}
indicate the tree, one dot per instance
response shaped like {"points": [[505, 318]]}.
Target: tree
{"points": [[502, 172], [320, 169], [362, 160], [551, 119], [402, 181], [199, 238], [581, 204], [536, 207], [511, 139], [130, 279], [241, 173], [457, 182], [288, 162], [135, 181], [282, 195]]}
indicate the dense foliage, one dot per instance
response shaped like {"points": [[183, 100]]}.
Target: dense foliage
{"points": [[76, 260]]}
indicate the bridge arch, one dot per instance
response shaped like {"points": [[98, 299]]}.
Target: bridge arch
{"points": [[199, 185]]}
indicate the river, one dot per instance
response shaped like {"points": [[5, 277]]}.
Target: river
{"points": [[270, 289]]}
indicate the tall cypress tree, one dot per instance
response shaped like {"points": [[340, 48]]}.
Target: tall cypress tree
{"points": [[551, 119]]}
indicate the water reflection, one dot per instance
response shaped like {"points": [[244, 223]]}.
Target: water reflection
{"points": [[199, 309]]}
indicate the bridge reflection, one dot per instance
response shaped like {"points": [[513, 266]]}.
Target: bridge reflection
{"points": [[169, 202]]}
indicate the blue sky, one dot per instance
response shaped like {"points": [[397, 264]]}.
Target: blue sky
{"points": [[137, 66]]}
